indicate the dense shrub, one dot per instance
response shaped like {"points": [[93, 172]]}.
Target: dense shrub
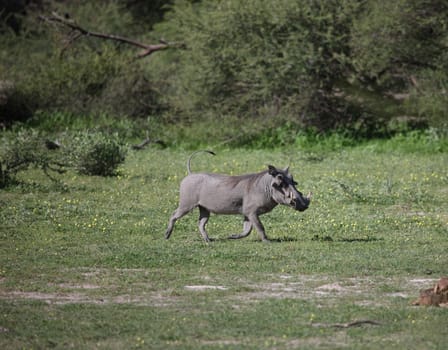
{"points": [[95, 153], [399, 49], [254, 59], [429, 100], [89, 76], [89, 153], [326, 64], [13, 104], [23, 150]]}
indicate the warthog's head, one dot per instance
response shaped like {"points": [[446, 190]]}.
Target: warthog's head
{"points": [[285, 191]]}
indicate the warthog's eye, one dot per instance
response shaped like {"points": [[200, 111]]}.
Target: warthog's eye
{"points": [[279, 187]]}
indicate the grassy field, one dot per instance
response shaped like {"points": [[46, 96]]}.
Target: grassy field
{"points": [[84, 263]]}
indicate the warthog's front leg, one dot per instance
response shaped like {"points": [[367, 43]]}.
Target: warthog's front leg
{"points": [[255, 220], [247, 228], [204, 214]]}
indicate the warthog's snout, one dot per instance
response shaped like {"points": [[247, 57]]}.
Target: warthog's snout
{"points": [[301, 203]]}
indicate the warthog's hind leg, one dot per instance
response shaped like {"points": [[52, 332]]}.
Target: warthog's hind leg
{"points": [[204, 214], [176, 215], [247, 228]]}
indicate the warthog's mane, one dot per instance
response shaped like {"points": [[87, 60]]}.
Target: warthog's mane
{"points": [[249, 179]]}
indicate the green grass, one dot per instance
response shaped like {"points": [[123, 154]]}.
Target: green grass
{"points": [[84, 263]]}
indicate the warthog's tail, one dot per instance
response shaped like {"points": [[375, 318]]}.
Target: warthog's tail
{"points": [[193, 154]]}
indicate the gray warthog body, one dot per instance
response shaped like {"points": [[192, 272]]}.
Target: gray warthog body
{"points": [[249, 195]]}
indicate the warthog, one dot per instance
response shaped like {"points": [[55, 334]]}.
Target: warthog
{"points": [[249, 195]]}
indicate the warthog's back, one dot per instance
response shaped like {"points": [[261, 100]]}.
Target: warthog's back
{"points": [[220, 194]]}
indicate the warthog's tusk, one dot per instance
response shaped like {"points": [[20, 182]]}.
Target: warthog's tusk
{"points": [[309, 195]]}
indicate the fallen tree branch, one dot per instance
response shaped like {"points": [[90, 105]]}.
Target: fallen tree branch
{"points": [[146, 142], [348, 324], [77, 31]]}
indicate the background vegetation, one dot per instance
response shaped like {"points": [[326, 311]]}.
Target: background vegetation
{"points": [[366, 68]]}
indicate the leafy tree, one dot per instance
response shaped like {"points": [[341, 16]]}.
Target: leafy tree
{"points": [[147, 13], [252, 58], [46, 70], [328, 64], [400, 48], [396, 39]]}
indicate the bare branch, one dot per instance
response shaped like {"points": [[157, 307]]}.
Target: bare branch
{"points": [[146, 142], [70, 41], [79, 31]]}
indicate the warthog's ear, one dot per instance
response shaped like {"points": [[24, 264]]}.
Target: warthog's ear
{"points": [[272, 170]]}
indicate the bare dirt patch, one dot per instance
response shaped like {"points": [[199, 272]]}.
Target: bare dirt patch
{"points": [[152, 299], [336, 340], [50, 298], [78, 286], [105, 287], [363, 291], [205, 287]]}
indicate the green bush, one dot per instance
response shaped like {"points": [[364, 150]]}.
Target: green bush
{"points": [[329, 65], [254, 59], [95, 153], [89, 76], [24, 149], [88, 153], [430, 99]]}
